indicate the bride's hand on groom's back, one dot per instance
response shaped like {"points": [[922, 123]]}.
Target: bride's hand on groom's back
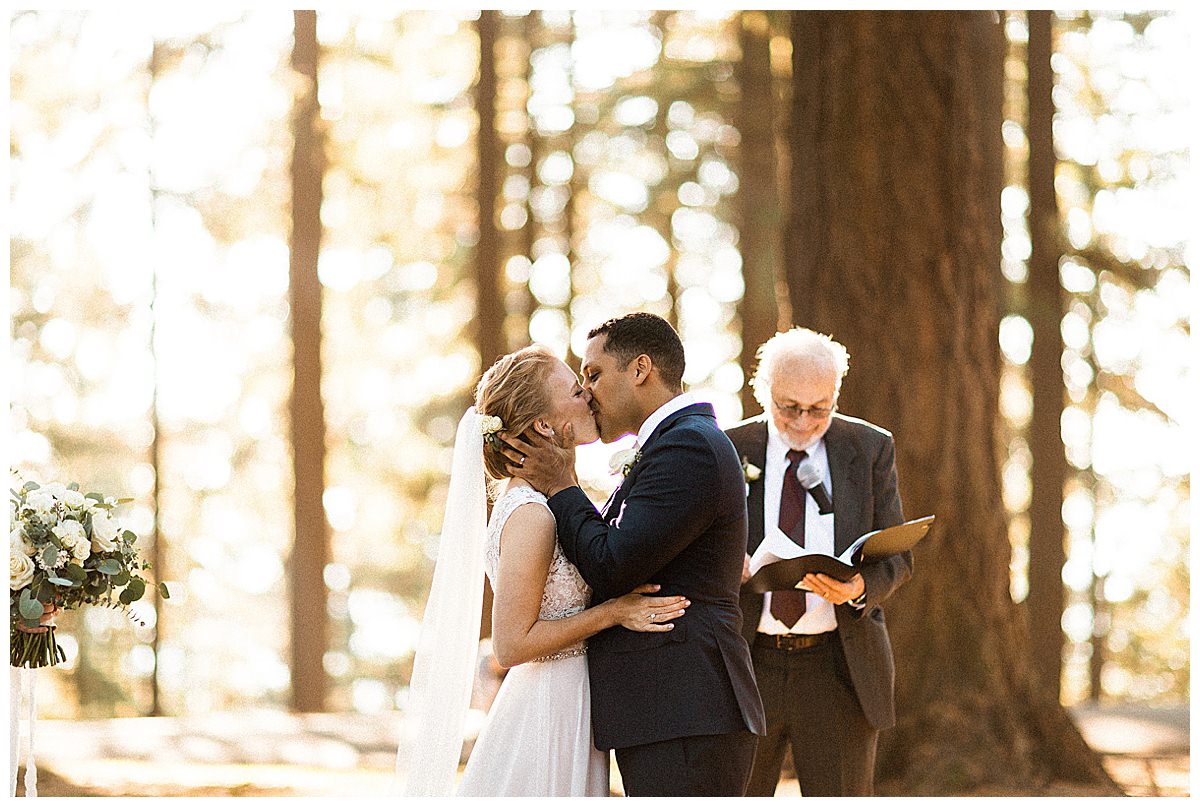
{"points": [[635, 611]]}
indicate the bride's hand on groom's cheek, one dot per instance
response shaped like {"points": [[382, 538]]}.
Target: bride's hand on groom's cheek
{"points": [[548, 465]]}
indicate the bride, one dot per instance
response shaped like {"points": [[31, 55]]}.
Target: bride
{"points": [[538, 737]]}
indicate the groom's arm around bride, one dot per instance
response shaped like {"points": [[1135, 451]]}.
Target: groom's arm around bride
{"points": [[681, 708]]}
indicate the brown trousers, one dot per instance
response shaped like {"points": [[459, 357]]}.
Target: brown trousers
{"points": [[810, 704]]}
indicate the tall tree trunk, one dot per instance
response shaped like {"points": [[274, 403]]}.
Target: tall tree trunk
{"points": [[157, 549], [894, 247], [310, 551], [1045, 311], [489, 306], [761, 218], [489, 303]]}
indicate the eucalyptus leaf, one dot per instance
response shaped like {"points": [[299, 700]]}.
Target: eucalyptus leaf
{"points": [[96, 497], [59, 581], [31, 609], [75, 572], [30, 486], [46, 592], [162, 589], [124, 501], [133, 592], [73, 486], [50, 556], [129, 535], [121, 579], [109, 567]]}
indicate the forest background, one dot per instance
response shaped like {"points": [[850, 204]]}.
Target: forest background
{"points": [[258, 261]]}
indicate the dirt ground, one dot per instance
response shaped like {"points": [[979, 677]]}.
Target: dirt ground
{"points": [[1146, 749]]}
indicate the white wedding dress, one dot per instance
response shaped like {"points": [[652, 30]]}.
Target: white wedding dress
{"points": [[538, 737]]}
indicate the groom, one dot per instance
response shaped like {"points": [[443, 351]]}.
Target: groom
{"points": [[680, 708]]}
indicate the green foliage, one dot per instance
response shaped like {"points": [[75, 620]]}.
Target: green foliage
{"points": [[64, 571]]}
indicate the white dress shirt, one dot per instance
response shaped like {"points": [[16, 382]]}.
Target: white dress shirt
{"points": [[819, 615], [647, 428]]}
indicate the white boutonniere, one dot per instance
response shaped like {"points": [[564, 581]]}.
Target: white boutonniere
{"points": [[751, 471], [623, 461]]}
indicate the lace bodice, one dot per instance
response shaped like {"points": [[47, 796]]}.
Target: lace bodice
{"points": [[565, 594]]}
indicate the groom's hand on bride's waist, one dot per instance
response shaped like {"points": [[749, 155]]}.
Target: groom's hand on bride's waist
{"points": [[548, 465]]}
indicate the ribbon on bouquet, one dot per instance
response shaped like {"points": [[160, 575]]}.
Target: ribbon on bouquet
{"points": [[22, 678]]}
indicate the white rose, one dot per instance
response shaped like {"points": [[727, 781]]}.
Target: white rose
{"points": [[73, 499], [39, 502], [73, 538], [18, 542], [55, 489], [20, 570], [623, 461], [104, 532]]}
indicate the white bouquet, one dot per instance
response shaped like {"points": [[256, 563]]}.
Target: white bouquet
{"points": [[65, 550]]}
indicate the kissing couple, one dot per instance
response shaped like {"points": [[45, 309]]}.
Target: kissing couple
{"points": [[621, 627]]}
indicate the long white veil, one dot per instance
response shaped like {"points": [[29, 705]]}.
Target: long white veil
{"points": [[444, 667]]}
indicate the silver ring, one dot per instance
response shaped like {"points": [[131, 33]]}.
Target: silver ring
{"points": [[653, 617], [522, 461]]}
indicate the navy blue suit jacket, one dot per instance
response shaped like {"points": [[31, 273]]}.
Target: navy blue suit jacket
{"points": [[678, 519]]}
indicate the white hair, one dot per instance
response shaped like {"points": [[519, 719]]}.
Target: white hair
{"points": [[798, 343]]}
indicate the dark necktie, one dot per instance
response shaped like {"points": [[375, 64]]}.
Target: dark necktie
{"points": [[788, 606]]}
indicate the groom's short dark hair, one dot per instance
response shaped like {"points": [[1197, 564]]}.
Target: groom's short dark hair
{"points": [[642, 332]]}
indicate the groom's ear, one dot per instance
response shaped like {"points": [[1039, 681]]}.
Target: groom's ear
{"points": [[642, 366], [543, 428]]}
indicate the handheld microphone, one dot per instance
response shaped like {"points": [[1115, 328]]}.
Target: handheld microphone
{"points": [[812, 478]]}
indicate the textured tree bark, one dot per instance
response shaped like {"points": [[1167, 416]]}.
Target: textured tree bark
{"points": [[489, 305], [489, 319], [761, 217], [310, 550], [1045, 311], [158, 549], [893, 246]]}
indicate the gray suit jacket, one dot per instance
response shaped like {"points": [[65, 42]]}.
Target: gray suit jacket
{"points": [[862, 467]]}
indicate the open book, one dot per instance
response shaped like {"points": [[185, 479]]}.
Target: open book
{"points": [[779, 564]]}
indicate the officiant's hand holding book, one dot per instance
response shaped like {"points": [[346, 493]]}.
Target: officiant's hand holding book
{"points": [[779, 564]]}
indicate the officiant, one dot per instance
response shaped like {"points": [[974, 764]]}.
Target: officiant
{"points": [[823, 659]]}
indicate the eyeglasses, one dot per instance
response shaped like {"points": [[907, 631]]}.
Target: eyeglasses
{"points": [[793, 411]]}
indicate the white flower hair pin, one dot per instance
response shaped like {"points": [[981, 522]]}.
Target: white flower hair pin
{"points": [[623, 461], [488, 426]]}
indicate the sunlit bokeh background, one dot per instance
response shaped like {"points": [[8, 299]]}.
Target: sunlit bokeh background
{"points": [[149, 224]]}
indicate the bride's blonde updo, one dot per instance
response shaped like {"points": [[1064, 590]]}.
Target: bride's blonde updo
{"points": [[514, 389]]}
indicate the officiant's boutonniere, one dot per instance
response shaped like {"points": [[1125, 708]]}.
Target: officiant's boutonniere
{"points": [[751, 471], [623, 461]]}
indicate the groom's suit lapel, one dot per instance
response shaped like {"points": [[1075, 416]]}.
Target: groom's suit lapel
{"points": [[612, 508]]}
